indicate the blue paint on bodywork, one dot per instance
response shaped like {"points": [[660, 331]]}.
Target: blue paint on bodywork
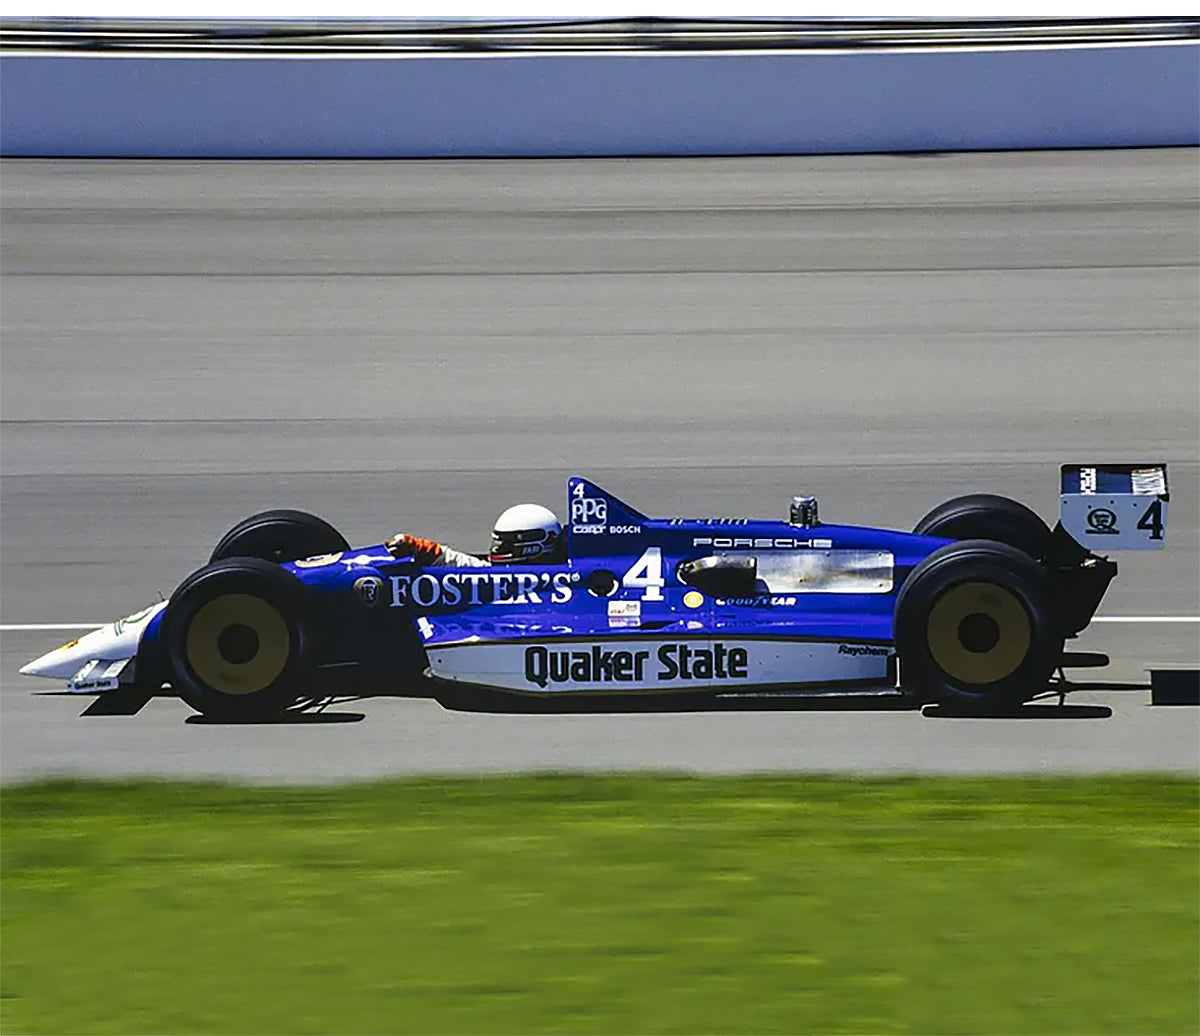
{"points": [[607, 536]]}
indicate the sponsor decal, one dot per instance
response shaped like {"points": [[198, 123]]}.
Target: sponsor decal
{"points": [[67, 645], [364, 560], [98, 675], [860, 650], [589, 514], [481, 586], [138, 616], [1148, 481], [94, 684], [318, 560], [369, 590], [760, 542], [1102, 522], [693, 599], [1087, 481], [760, 601], [624, 613], [708, 521], [627, 663], [597, 665], [133, 620], [624, 530]]}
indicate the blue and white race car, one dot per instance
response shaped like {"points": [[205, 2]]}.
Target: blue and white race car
{"points": [[971, 607]]}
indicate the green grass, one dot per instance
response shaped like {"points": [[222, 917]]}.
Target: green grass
{"points": [[603, 905]]}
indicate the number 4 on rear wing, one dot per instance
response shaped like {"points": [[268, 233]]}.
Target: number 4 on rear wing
{"points": [[1115, 506]]}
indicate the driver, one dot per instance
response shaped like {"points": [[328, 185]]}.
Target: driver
{"points": [[523, 534]]}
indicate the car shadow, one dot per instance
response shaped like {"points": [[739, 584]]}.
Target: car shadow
{"points": [[283, 719], [1046, 707], [1041, 711], [584, 704]]}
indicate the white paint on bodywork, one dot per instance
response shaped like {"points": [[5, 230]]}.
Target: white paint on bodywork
{"points": [[525, 665], [110, 643]]}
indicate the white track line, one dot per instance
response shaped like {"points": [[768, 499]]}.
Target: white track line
{"points": [[14, 627], [1146, 618], [24, 626]]}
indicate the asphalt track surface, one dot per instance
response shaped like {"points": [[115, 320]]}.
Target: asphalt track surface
{"points": [[417, 345]]}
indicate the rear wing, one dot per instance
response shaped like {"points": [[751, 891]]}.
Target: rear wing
{"points": [[1115, 506]]}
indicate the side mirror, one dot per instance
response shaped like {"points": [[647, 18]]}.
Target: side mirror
{"points": [[724, 576]]}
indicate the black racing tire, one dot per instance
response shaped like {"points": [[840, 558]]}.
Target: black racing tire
{"points": [[983, 516], [235, 638], [280, 535], [974, 624]]}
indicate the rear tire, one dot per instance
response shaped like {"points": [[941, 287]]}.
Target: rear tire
{"points": [[983, 516], [235, 639], [974, 625], [279, 535]]}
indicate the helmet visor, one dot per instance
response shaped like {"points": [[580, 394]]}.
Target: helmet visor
{"points": [[522, 545]]}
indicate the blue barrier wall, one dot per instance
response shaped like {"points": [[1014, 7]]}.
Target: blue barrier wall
{"points": [[627, 104]]}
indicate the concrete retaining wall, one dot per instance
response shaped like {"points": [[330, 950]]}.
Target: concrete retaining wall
{"points": [[624, 104]]}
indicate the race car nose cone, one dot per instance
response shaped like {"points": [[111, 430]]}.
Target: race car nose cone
{"points": [[112, 642], [65, 661], [58, 664]]}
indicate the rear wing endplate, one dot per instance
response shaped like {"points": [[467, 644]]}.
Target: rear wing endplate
{"points": [[1115, 506]]}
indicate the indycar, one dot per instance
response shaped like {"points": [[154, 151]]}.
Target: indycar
{"points": [[973, 606]]}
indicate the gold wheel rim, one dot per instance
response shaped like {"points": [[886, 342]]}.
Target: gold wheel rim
{"points": [[236, 676], [1003, 614]]}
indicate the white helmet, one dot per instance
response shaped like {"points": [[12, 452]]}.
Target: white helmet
{"points": [[526, 532]]}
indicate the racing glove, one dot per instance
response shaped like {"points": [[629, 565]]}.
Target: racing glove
{"points": [[426, 552], [429, 552]]}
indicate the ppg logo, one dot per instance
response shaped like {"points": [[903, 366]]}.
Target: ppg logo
{"points": [[586, 510]]}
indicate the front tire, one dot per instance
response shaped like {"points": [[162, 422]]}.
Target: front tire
{"points": [[974, 625], [279, 535], [236, 640]]}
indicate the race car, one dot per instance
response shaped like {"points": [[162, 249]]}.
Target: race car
{"points": [[973, 606]]}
